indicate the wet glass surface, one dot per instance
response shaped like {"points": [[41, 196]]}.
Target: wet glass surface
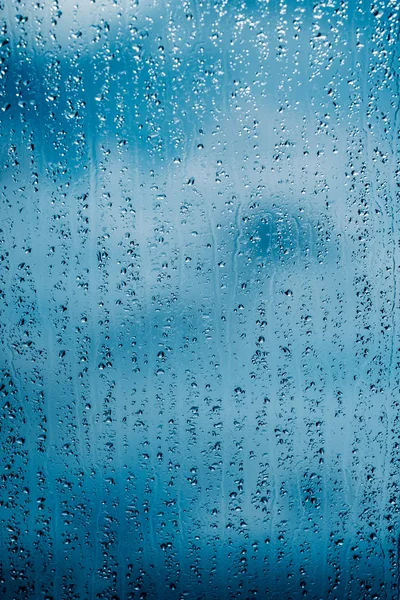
{"points": [[199, 257]]}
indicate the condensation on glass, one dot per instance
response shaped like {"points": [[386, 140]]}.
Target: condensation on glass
{"points": [[199, 249]]}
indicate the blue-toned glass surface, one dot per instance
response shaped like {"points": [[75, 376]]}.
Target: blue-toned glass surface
{"points": [[199, 299]]}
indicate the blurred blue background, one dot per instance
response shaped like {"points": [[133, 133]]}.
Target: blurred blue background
{"points": [[199, 300]]}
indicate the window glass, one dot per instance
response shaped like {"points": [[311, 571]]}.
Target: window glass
{"points": [[199, 255]]}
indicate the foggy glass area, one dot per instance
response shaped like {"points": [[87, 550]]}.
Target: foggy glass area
{"points": [[199, 300]]}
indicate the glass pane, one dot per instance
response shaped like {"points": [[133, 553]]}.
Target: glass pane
{"points": [[199, 299]]}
